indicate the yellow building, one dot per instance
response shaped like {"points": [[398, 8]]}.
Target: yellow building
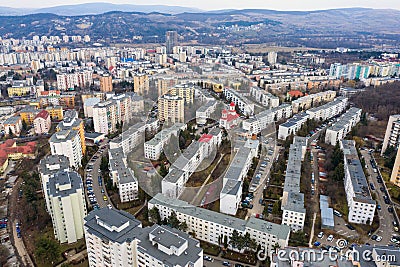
{"points": [[106, 83], [100, 95], [395, 178], [35, 104], [171, 108], [67, 100], [164, 84], [184, 91], [56, 113], [19, 91], [141, 84], [28, 114]]}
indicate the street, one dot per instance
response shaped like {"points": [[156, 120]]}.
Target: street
{"points": [[95, 173], [385, 217]]}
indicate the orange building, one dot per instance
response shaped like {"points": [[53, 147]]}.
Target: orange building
{"points": [[28, 114], [106, 83]]}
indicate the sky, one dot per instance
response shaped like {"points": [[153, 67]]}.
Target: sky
{"points": [[223, 4]]}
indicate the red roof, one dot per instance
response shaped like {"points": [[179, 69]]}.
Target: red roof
{"points": [[43, 114], [295, 93], [9, 147], [205, 138], [232, 104]]}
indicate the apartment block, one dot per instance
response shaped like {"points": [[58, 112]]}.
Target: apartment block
{"points": [[264, 98], [56, 112], [185, 91], [342, 126], [313, 100], [154, 147], [141, 84], [211, 226], [261, 120], [359, 200], [47, 168], [72, 122], [165, 84], [244, 105], [232, 182], [88, 105], [395, 177], [329, 110], [292, 125], [171, 108], [28, 114], [67, 143], [106, 83], [81, 79], [292, 206], [116, 238], [204, 112], [180, 171], [392, 134], [67, 205]]}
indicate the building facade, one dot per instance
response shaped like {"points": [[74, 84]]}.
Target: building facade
{"points": [[171, 108], [392, 134]]}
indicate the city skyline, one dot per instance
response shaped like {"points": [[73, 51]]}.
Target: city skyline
{"points": [[285, 5]]}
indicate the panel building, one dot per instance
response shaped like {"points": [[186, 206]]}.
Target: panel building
{"points": [[392, 134], [359, 200], [171, 108], [116, 238], [342, 126]]}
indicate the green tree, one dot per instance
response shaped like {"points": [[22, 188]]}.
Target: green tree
{"points": [[173, 221], [163, 170], [338, 174], [47, 250], [183, 226], [234, 239], [24, 125], [154, 215], [104, 164]]}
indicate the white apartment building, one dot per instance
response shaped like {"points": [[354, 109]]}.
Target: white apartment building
{"points": [[342, 126], [292, 125], [392, 134], [211, 226], [204, 112], [174, 182], [261, 120], [67, 143], [245, 106], [49, 166], [328, 110], [67, 205], [232, 182], [88, 105], [82, 79], [292, 206], [116, 238], [171, 108], [313, 100], [13, 125], [359, 200], [123, 177], [105, 117], [154, 147], [264, 98]]}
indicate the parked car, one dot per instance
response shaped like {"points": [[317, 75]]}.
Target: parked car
{"points": [[390, 209], [329, 238], [374, 237], [317, 244], [378, 207], [378, 238], [321, 235], [337, 213], [226, 263], [351, 227], [208, 258]]}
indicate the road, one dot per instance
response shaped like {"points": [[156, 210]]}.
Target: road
{"points": [[258, 193], [95, 173], [385, 217], [17, 242]]}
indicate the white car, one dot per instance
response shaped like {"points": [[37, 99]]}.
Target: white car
{"points": [[321, 235], [379, 238], [329, 238]]}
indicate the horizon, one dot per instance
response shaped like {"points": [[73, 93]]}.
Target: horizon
{"points": [[306, 5]]}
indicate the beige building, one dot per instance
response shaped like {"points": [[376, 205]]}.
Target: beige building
{"points": [[185, 91], [392, 135], [164, 84], [141, 84], [106, 83], [395, 178], [171, 108]]}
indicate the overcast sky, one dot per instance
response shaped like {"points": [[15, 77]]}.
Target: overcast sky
{"points": [[224, 4]]}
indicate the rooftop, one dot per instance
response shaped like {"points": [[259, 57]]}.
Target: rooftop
{"points": [[64, 183]]}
